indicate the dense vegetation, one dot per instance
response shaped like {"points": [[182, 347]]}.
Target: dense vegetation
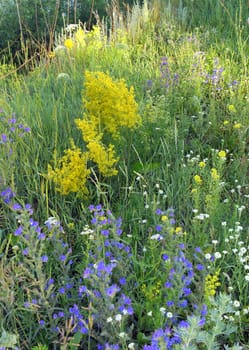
{"points": [[124, 183]]}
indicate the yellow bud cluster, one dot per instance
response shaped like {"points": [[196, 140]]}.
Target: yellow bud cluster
{"points": [[214, 174], [212, 283], [198, 179]]}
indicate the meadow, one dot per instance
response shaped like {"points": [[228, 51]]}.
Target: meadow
{"points": [[124, 184]]}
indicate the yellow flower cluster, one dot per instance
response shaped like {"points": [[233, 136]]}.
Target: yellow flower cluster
{"points": [[211, 284], [110, 106], [153, 291], [104, 157], [111, 102], [72, 173]]}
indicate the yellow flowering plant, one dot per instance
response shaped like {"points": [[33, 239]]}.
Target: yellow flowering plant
{"points": [[110, 106], [72, 173]]}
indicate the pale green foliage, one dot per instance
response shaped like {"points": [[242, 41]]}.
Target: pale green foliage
{"points": [[216, 325]]}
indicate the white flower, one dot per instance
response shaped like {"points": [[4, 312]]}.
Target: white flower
{"points": [[247, 278], [217, 255], [208, 256], [223, 223], [109, 320], [156, 237], [52, 221], [122, 335], [245, 311], [202, 216], [118, 317], [131, 346], [149, 313], [162, 310], [169, 314], [236, 303], [214, 241]]}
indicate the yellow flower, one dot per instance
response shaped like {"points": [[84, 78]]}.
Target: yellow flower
{"points": [[237, 126], [202, 164], [178, 230], [71, 175], [198, 179], [231, 108], [164, 218], [226, 122], [68, 43], [211, 284], [222, 154], [214, 174]]}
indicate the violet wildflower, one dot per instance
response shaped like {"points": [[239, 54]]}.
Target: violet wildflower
{"points": [[112, 290], [44, 258]]}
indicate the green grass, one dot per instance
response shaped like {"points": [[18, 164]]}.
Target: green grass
{"points": [[188, 65]]}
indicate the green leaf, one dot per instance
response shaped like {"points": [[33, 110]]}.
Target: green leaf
{"points": [[8, 340]]}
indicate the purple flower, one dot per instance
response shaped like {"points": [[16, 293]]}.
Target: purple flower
{"points": [[112, 290], [16, 206], [122, 281], [44, 258], [25, 251], [26, 304], [186, 291], [165, 257], [202, 322], [63, 257], [199, 267], [183, 324], [18, 231], [168, 284], [4, 138], [183, 303], [62, 290], [7, 195], [158, 228]]}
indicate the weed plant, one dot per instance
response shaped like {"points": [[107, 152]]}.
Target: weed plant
{"points": [[154, 254]]}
